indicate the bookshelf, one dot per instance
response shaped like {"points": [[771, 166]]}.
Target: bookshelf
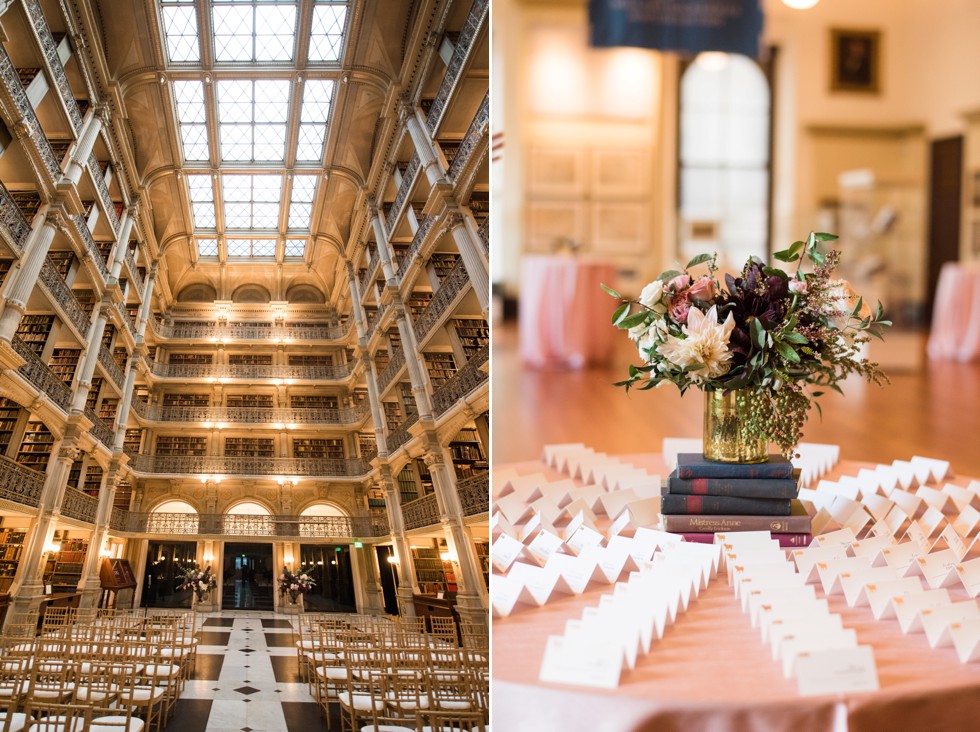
{"points": [[408, 486], [75, 474], [108, 408], [311, 360], [260, 401], [104, 248], [443, 264], [250, 359], [381, 359], [473, 333], [186, 400], [394, 338], [93, 480], [313, 401], [133, 440], [263, 447], [418, 302], [479, 204], [181, 445], [9, 414], [408, 400], [393, 414], [483, 555], [34, 330], [123, 496], [433, 574], [5, 265], [11, 547], [441, 367], [449, 149], [367, 444], [63, 569], [62, 261], [331, 449], [86, 299], [468, 455], [93, 392], [107, 335], [425, 477], [35, 447], [27, 201], [120, 356], [205, 359]]}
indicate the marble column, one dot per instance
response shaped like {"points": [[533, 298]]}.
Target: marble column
{"points": [[35, 253]]}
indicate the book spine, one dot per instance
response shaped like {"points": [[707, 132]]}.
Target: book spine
{"points": [[737, 487], [685, 523], [735, 470], [786, 541], [724, 505]]}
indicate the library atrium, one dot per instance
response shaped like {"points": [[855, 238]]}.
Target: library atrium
{"points": [[243, 327]]}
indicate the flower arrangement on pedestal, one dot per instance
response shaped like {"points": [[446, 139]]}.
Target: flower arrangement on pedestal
{"points": [[294, 585], [201, 581], [764, 345]]}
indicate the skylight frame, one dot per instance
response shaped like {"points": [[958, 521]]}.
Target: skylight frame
{"points": [[326, 46], [177, 17], [237, 48]]}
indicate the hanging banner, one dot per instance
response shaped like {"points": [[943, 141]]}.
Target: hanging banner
{"points": [[685, 26]]}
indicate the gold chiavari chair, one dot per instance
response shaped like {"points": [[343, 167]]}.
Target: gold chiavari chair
{"points": [[138, 695], [48, 716], [160, 672], [96, 682], [406, 692], [329, 675], [451, 686], [380, 716], [11, 719], [53, 671], [443, 631], [308, 643], [365, 664], [433, 720]]}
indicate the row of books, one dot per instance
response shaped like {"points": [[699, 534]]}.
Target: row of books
{"points": [[702, 497]]}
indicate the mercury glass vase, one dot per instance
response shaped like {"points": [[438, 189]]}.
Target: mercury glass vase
{"points": [[725, 413]]}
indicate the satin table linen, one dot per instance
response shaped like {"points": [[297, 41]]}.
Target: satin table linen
{"points": [[955, 334], [712, 673], [564, 314]]}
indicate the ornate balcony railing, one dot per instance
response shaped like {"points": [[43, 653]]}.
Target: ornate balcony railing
{"points": [[102, 431], [78, 505], [400, 435], [111, 367], [404, 188], [464, 45], [83, 231], [474, 494], [420, 235], [12, 221], [139, 407], [450, 288], [476, 134], [257, 466], [421, 512], [249, 371], [253, 415], [134, 274], [374, 319], [38, 374], [61, 293], [484, 232], [50, 50], [234, 331], [19, 484], [462, 382], [369, 273], [192, 524], [95, 168], [11, 80], [393, 367], [126, 318]]}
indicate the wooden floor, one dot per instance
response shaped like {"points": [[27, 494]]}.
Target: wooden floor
{"points": [[934, 412]]}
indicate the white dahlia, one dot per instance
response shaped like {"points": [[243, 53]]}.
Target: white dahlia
{"points": [[705, 343]]}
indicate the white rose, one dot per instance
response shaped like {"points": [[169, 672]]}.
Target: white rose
{"points": [[651, 295]]}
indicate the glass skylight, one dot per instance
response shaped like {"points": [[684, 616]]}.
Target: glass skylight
{"points": [[301, 201], [327, 33], [192, 119], [180, 29], [202, 201], [313, 116], [260, 248], [251, 201], [295, 248], [252, 119], [207, 247], [253, 31]]}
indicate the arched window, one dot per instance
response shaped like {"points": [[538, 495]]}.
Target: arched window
{"points": [[172, 517], [248, 508], [724, 159], [249, 519], [324, 519]]}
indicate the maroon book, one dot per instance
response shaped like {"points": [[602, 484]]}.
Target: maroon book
{"points": [[786, 541]]}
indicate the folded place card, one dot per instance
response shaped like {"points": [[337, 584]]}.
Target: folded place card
{"points": [[911, 505], [829, 572], [966, 523], [949, 539], [879, 595], [499, 480], [508, 594], [583, 538], [853, 583], [560, 492], [810, 641], [580, 663], [504, 551], [836, 671], [842, 537], [961, 496], [908, 607], [765, 601], [936, 622], [780, 616], [613, 504], [514, 508], [939, 568], [939, 469], [936, 499], [877, 506], [899, 556], [806, 559], [499, 525], [965, 635], [550, 453], [639, 514], [542, 583], [906, 474], [871, 546], [544, 544], [579, 573], [791, 628], [969, 574]]}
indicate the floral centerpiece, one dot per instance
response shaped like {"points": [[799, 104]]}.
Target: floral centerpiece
{"points": [[294, 584], [763, 346], [201, 581]]}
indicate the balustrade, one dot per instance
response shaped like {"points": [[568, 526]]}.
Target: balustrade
{"points": [[134, 274], [50, 50], [476, 133], [462, 382], [11, 81], [81, 226], [369, 272], [12, 221], [38, 374], [62, 294], [374, 319], [484, 232], [126, 318], [110, 209], [464, 44], [102, 431], [421, 512], [404, 188], [112, 369], [393, 367], [192, 524], [474, 494], [400, 435], [233, 331], [78, 505], [19, 484], [257, 466], [420, 235], [250, 371], [452, 286], [253, 415]]}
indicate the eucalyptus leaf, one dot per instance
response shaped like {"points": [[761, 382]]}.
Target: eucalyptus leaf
{"points": [[758, 333], [669, 275], [621, 312], [795, 338], [787, 352], [634, 320], [700, 259], [823, 236], [611, 291]]}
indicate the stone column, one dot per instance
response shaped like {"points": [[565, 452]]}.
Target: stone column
{"points": [[119, 249], [122, 415], [146, 301], [86, 142], [425, 147], [35, 253], [363, 568], [384, 248], [90, 586], [471, 251], [355, 293], [374, 400], [91, 357], [413, 360], [407, 578]]}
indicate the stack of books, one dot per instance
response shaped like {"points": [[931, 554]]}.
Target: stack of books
{"points": [[702, 497]]}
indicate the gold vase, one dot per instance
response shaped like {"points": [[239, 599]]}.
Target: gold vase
{"points": [[724, 415]]}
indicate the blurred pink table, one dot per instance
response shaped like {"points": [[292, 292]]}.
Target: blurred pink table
{"points": [[564, 315], [955, 334]]}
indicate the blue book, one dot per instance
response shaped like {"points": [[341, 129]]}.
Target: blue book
{"points": [[693, 465]]}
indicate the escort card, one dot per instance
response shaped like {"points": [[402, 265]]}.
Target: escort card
{"points": [[504, 551], [774, 618], [581, 663], [961, 496], [939, 568], [907, 607], [639, 514], [582, 538], [969, 574], [507, 594], [801, 627], [878, 506], [899, 556], [514, 508], [912, 506], [936, 621], [871, 546], [499, 480], [965, 635], [806, 559], [810, 641], [766, 600], [543, 546], [853, 582], [906, 474], [938, 468], [842, 537], [560, 492], [953, 541], [578, 572], [540, 582], [836, 671], [829, 572], [499, 525], [879, 595], [613, 504], [549, 453], [967, 521], [936, 499]]}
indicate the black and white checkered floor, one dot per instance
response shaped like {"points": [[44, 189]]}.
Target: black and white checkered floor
{"points": [[247, 679]]}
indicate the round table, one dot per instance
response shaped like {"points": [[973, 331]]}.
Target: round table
{"points": [[564, 314], [712, 672], [955, 334]]}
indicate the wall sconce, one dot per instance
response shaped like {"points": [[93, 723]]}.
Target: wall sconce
{"points": [[446, 556], [208, 559], [51, 547], [392, 559], [287, 559]]}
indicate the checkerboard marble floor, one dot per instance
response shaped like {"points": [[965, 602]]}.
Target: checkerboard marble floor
{"points": [[247, 679]]}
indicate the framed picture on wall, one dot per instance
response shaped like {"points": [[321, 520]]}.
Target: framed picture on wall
{"points": [[855, 60]]}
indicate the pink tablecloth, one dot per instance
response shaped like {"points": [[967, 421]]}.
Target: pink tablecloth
{"points": [[712, 673], [955, 334], [564, 315]]}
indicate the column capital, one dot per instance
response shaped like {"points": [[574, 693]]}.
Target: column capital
{"points": [[69, 452]]}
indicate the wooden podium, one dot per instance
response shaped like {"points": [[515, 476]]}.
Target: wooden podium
{"points": [[118, 583]]}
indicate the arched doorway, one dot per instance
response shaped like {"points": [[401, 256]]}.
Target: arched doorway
{"points": [[248, 575], [328, 564], [166, 561]]}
